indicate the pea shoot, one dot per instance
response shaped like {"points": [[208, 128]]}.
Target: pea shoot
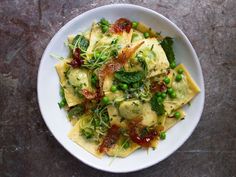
{"points": [[103, 57], [97, 54], [126, 145], [146, 35], [163, 135]]}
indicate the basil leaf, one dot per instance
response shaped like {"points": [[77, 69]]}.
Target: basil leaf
{"points": [[167, 45], [129, 77]]}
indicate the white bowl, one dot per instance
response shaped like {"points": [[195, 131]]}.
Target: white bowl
{"points": [[48, 88]]}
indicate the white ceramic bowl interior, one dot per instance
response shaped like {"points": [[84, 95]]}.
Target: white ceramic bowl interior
{"points": [[48, 88]]}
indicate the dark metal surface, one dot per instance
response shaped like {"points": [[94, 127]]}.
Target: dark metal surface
{"points": [[27, 148]]}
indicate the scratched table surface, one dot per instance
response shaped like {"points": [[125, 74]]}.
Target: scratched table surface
{"points": [[27, 148]]}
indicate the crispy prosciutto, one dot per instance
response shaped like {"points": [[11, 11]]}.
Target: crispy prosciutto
{"points": [[121, 25]]}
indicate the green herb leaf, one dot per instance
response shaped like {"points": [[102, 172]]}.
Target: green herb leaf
{"points": [[167, 45], [76, 111], [94, 80], [129, 77], [157, 105], [104, 25], [80, 42], [87, 132], [63, 102]]}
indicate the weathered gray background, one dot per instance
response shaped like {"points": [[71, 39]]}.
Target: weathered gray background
{"points": [[27, 148]]}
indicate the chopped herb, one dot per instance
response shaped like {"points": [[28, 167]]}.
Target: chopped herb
{"points": [[114, 41], [152, 47]]}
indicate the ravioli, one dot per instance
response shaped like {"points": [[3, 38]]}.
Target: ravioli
{"points": [[154, 56], [118, 150], [95, 35], [76, 78], [185, 90], [137, 36], [171, 121], [75, 135], [71, 99]]}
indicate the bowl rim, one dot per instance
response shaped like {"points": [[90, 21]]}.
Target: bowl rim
{"points": [[162, 17]]}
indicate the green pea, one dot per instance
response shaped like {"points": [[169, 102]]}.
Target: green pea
{"points": [[163, 95], [113, 88], [134, 24], [158, 94], [105, 100], [173, 95], [159, 99], [146, 35], [180, 71], [172, 65], [124, 86], [166, 80], [97, 54], [177, 115], [178, 77], [163, 135], [170, 90], [103, 57], [104, 28]]}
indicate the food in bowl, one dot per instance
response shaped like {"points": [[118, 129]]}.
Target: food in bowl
{"points": [[121, 87]]}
